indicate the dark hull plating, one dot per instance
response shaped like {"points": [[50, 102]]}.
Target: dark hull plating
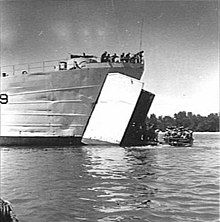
{"points": [[40, 141]]}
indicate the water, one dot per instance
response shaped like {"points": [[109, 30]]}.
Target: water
{"points": [[110, 183]]}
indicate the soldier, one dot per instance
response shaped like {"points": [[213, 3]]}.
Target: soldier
{"points": [[140, 56], [108, 58], [122, 57], [127, 57], [134, 58], [113, 57], [103, 57]]}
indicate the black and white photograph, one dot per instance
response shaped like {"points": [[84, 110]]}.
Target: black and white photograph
{"points": [[109, 111]]}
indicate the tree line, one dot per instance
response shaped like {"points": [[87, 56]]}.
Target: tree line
{"points": [[188, 120]]}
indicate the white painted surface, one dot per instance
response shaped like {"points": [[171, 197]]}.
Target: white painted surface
{"points": [[113, 111]]}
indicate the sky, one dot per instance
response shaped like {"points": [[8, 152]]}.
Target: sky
{"points": [[180, 40]]}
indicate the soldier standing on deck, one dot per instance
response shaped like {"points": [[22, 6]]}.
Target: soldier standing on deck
{"points": [[122, 57], [113, 57], [127, 57], [140, 56], [134, 58], [108, 57], [103, 57]]}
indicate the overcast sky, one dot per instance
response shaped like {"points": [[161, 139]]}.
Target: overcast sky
{"points": [[180, 40]]}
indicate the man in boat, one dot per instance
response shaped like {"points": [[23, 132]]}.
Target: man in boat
{"points": [[150, 133]]}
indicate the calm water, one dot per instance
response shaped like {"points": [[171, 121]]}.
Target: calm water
{"points": [[111, 183]]}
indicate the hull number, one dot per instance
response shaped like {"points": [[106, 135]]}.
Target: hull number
{"points": [[3, 98]]}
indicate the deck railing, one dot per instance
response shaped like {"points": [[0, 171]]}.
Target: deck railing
{"points": [[24, 68], [44, 66]]}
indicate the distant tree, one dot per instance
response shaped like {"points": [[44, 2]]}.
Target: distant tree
{"points": [[168, 121], [213, 122], [194, 122], [160, 123], [200, 127]]}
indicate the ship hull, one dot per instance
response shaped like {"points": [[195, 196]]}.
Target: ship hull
{"points": [[53, 108], [42, 141]]}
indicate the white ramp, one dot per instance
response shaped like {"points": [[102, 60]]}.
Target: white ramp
{"points": [[113, 110]]}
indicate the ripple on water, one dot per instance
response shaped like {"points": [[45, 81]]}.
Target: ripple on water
{"points": [[110, 183]]}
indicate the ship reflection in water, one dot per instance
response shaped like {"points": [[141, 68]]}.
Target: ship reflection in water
{"points": [[112, 183]]}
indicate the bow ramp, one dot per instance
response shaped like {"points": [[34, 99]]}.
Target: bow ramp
{"points": [[120, 110]]}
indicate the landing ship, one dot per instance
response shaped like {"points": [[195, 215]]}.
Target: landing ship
{"points": [[72, 102]]}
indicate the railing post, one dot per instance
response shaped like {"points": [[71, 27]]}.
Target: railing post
{"points": [[13, 68], [43, 66]]}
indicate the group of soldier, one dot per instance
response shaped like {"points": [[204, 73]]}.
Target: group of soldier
{"points": [[178, 132], [144, 132], [135, 58]]}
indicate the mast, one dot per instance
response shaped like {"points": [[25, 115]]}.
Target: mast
{"points": [[141, 32]]}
